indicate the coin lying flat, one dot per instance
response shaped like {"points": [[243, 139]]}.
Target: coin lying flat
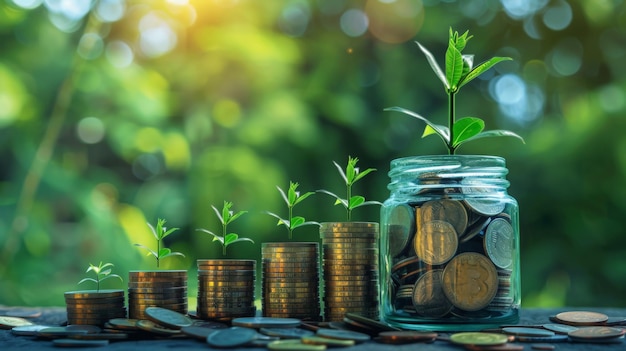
{"points": [[286, 333], [294, 345], [152, 327], [7, 322], [375, 324], [525, 331], [592, 334], [329, 342], [406, 337], [231, 337], [343, 335], [478, 338], [28, 330], [581, 317], [559, 328], [168, 318], [266, 322]]}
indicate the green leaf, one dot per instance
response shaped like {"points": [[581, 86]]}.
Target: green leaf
{"points": [[281, 221], [480, 69], [218, 214], [468, 64], [292, 195], [172, 254], [150, 251], [111, 276], [229, 238], [164, 252], [338, 199], [351, 169], [297, 221], [442, 131], [168, 232], [363, 174], [107, 272], [434, 66], [454, 66], [239, 240], [235, 216], [341, 171], [356, 201], [494, 133], [303, 196], [466, 128]]}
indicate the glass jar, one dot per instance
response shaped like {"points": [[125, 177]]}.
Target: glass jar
{"points": [[449, 245]]}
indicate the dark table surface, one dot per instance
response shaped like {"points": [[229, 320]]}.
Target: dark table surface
{"points": [[57, 316]]}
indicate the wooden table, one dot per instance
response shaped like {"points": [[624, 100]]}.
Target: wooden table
{"points": [[57, 316]]}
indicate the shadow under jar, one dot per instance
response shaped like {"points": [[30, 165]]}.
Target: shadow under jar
{"points": [[449, 244]]}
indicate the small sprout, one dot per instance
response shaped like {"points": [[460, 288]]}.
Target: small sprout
{"points": [[101, 273], [292, 198], [160, 232], [350, 176], [226, 217], [459, 71]]}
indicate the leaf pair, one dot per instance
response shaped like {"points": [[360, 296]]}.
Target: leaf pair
{"points": [[226, 216]]}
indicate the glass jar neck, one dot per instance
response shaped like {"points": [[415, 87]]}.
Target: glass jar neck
{"points": [[411, 174]]}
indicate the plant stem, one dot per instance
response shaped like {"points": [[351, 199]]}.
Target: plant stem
{"points": [[451, 119], [349, 193], [290, 221], [158, 251], [224, 238]]}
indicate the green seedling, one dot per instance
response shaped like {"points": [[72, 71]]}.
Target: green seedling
{"points": [[226, 216], [101, 272], [160, 232], [351, 175], [292, 198], [459, 71]]}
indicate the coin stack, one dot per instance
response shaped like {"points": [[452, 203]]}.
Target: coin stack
{"points": [[350, 265], [451, 258], [94, 307], [291, 280], [167, 289], [226, 289]]}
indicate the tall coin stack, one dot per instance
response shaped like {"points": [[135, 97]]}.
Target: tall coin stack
{"points": [[166, 289], [226, 289], [93, 307], [291, 280], [350, 264]]}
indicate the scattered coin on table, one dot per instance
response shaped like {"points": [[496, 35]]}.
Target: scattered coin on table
{"points": [[231, 337], [8, 322], [168, 318], [79, 343], [405, 337], [478, 338], [294, 345], [343, 335], [329, 342], [266, 322]]}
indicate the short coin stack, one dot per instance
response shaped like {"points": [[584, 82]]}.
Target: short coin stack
{"points": [[166, 289], [94, 307], [350, 264], [226, 288], [291, 280]]}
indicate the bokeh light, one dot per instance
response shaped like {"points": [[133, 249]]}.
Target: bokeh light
{"points": [[354, 22], [90, 130], [394, 21], [110, 10], [156, 35], [119, 54]]}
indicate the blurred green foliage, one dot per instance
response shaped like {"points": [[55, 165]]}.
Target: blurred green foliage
{"points": [[115, 113]]}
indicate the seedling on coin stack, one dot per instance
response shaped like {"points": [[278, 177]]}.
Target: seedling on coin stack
{"points": [[292, 197], [160, 232], [226, 216], [95, 307], [350, 247], [101, 273], [217, 275], [351, 175]]}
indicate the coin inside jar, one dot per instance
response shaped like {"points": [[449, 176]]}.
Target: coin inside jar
{"points": [[470, 281], [429, 299], [435, 242]]}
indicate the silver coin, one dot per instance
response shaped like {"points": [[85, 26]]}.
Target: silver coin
{"points": [[286, 333], [343, 335], [168, 318], [231, 337], [499, 242], [28, 330], [266, 322]]}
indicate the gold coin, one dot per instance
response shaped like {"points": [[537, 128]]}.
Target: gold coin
{"points": [[435, 242], [450, 211], [159, 274], [428, 296], [470, 281], [581, 318], [351, 225], [405, 263], [91, 294], [152, 327]]}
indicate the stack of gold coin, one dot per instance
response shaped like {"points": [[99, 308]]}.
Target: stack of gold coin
{"points": [[226, 289], [167, 289], [291, 280], [350, 264], [93, 307]]}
